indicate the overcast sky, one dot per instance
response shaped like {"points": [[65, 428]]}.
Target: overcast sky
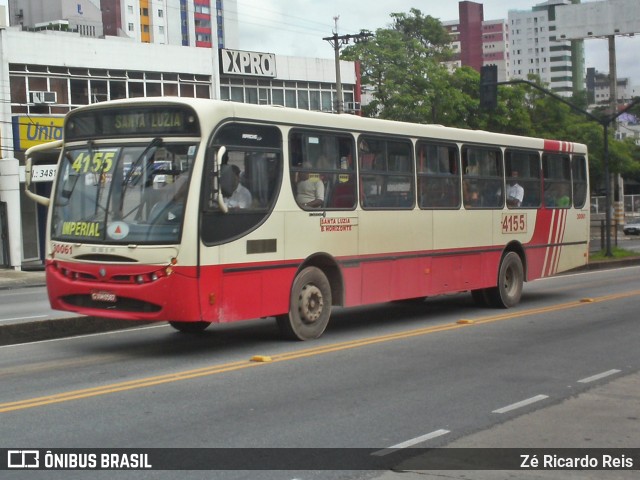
{"points": [[296, 27]]}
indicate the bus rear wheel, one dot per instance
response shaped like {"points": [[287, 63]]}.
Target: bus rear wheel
{"points": [[510, 280], [190, 327], [309, 307]]}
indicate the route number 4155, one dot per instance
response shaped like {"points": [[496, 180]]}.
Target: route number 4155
{"points": [[514, 223]]}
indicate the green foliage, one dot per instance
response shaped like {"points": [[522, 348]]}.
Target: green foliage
{"points": [[615, 252]]}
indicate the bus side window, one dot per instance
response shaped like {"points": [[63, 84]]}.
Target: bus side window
{"points": [[322, 170], [556, 169], [579, 177], [523, 168], [386, 173], [438, 175], [483, 178]]}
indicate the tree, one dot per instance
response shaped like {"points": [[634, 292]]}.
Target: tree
{"points": [[403, 66]]}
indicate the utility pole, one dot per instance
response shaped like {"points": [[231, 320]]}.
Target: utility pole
{"points": [[337, 41]]}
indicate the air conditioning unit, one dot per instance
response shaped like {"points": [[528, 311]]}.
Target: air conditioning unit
{"points": [[352, 106], [40, 98]]}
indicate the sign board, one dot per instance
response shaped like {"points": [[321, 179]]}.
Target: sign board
{"points": [[32, 130], [43, 173], [597, 19], [252, 64]]}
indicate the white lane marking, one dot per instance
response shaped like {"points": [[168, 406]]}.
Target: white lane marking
{"points": [[410, 443], [523, 403], [22, 318], [112, 332], [599, 376]]}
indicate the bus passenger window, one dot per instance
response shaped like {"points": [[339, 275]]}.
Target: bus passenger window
{"points": [[482, 167], [523, 170], [386, 173], [322, 170], [579, 174], [438, 175], [556, 169]]}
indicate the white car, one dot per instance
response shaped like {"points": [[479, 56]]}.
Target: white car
{"points": [[632, 228]]}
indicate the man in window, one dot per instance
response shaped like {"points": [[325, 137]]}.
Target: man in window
{"points": [[309, 189], [240, 196], [515, 191]]}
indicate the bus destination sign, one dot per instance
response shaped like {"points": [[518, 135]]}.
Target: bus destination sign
{"points": [[133, 121]]}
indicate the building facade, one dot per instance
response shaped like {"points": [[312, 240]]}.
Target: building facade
{"points": [[193, 23], [537, 49], [478, 42]]}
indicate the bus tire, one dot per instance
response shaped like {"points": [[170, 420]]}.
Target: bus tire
{"points": [[510, 280], [309, 306], [190, 327]]}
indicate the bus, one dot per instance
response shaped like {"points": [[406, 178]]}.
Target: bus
{"points": [[197, 211]]}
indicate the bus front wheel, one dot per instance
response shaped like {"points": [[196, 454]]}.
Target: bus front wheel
{"points": [[309, 307], [190, 327], [510, 279]]}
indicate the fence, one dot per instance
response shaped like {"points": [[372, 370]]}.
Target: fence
{"points": [[631, 205]]}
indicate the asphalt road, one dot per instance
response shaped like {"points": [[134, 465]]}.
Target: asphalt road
{"points": [[425, 374]]}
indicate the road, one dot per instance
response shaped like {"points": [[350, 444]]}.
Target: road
{"points": [[420, 374]]}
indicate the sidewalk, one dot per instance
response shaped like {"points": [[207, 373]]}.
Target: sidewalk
{"points": [[10, 278]]}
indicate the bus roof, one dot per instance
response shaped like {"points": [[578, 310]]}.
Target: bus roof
{"points": [[212, 112]]}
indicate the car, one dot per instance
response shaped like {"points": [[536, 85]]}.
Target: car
{"points": [[632, 228]]}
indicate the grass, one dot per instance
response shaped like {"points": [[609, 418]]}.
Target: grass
{"points": [[616, 252]]}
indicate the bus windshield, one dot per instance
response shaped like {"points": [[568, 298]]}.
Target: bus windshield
{"points": [[122, 194]]}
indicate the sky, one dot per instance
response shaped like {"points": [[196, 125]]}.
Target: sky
{"points": [[296, 27]]}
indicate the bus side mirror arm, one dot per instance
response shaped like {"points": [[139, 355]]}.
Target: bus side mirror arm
{"points": [[219, 156], [29, 170]]}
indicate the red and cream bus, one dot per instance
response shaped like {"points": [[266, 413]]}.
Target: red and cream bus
{"points": [[199, 211]]}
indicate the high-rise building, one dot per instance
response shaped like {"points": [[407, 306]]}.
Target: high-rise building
{"points": [[536, 49], [82, 16], [478, 42], [526, 43], [194, 23]]}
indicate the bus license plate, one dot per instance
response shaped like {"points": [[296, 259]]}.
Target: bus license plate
{"points": [[104, 297]]}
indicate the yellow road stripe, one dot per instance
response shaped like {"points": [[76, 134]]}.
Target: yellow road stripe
{"points": [[309, 352]]}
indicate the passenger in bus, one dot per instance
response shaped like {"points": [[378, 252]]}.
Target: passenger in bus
{"points": [[471, 195], [555, 195], [236, 195], [309, 189], [515, 192]]}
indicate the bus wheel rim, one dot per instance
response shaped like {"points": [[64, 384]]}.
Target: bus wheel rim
{"points": [[311, 304]]}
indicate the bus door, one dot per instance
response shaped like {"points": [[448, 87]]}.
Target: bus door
{"points": [[241, 237]]}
